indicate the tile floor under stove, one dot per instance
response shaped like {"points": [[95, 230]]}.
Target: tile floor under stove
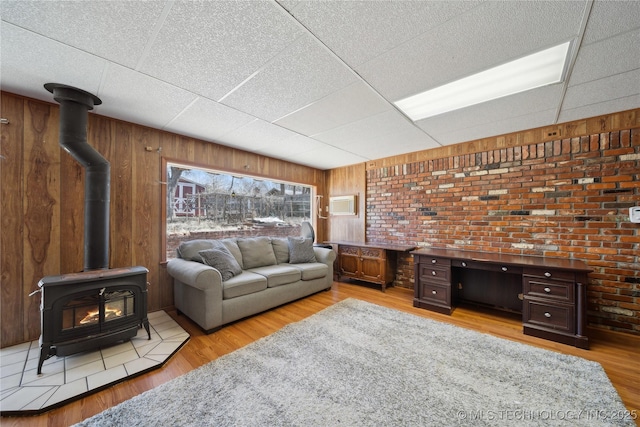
{"points": [[63, 379]]}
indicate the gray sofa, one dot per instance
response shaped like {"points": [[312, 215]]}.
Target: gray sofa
{"points": [[213, 289]]}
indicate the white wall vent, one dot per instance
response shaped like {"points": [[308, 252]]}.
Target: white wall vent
{"points": [[343, 205]]}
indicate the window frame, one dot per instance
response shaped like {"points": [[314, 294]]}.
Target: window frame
{"points": [[166, 162]]}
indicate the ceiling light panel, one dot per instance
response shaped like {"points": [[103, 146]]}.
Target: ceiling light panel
{"points": [[490, 34], [539, 69]]}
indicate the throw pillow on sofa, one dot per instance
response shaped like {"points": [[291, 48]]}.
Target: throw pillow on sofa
{"points": [[222, 260], [301, 250], [256, 252], [190, 249]]}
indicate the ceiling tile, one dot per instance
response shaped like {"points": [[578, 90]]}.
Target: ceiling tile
{"points": [[512, 124], [29, 61], [208, 120], [624, 15], [605, 89], [125, 96], [256, 135], [352, 103], [301, 74], [294, 145], [604, 58], [388, 129], [604, 107], [113, 30], [327, 157], [358, 31], [211, 47]]}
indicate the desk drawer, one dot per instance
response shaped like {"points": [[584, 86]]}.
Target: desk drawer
{"points": [[549, 289], [487, 266], [560, 317], [435, 292], [429, 273], [549, 274]]}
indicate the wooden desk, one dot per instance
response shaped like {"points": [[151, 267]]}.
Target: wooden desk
{"points": [[369, 262], [549, 292]]}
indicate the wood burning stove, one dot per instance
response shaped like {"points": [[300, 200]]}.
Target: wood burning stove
{"points": [[99, 306], [84, 311]]}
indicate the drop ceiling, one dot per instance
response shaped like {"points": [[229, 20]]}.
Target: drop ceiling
{"points": [[314, 82]]}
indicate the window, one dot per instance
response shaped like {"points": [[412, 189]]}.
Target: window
{"points": [[210, 204]]}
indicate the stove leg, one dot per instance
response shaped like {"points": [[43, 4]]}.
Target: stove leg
{"points": [[44, 355], [145, 322]]}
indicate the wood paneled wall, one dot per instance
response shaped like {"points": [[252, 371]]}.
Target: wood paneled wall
{"points": [[42, 205], [344, 182]]}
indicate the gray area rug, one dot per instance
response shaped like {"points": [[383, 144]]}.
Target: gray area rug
{"points": [[359, 364]]}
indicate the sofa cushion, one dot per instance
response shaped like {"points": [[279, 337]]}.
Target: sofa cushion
{"points": [[301, 250], [256, 252], [222, 260], [280, 249], [232, 245], [277, 275], [312, 270], [190, 250], [243, 284]]}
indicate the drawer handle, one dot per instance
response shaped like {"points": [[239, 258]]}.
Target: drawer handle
{"points": [[433, 292], [434, 273], [464, 264], [433, 261], [547, 274], [504, 268], [547, 290], [547, 314]]}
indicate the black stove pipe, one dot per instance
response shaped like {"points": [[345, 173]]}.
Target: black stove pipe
{"points": [[74, 111]]}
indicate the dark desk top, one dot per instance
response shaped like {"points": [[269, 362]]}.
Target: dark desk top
{"points": [[399, 248], [498, 258]]}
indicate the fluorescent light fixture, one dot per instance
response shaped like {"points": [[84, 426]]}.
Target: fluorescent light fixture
{"points": [[539, 69]]}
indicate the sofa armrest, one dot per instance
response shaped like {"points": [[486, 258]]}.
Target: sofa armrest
{"points": [[200, 276], [325, 255]]}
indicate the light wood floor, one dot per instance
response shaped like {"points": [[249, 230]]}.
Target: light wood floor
{"points": [[618, 353]]}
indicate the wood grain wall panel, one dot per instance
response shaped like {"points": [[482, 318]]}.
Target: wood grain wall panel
{"points": [[343, 182], [122, 197], [41, 205], [146, 212], [11, 224]]}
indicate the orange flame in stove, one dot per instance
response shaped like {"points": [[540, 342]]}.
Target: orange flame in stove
{"points": [[94, 316]]}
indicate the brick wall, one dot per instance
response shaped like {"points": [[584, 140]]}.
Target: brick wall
{"points": [[567, 198]]}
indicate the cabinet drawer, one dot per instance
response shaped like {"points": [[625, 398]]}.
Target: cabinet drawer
{"points": [[435, 292], [372, 253], [349, 250], [549, 289], [435, 274], [560, 317], [549, 274]]}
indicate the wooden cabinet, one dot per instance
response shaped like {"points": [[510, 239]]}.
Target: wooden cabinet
{"points": [[374, 263], [550, 293]]}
